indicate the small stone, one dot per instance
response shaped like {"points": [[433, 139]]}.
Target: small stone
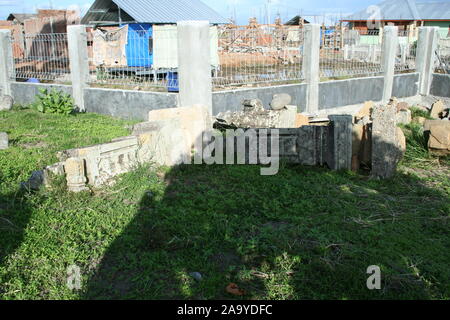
{"points": [[402, 106], [393, 101], [404, 117], [280, 101], [6, 103], [196, 275], [437, 109], [4, 141], [35, 182]]}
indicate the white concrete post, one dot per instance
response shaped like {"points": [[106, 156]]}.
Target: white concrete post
{"points": [[6, 62], [390, 47], [194, 64], [426, 57], [311, 67], [79, 63]]}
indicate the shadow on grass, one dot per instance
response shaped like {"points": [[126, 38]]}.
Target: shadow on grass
{"points": [[307, 233]]}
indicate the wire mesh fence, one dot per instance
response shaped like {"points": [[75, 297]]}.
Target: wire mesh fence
{"points": [[138, 58], [349, 53], [253, 55], [443, 56], [406, 53], [44, 57]]}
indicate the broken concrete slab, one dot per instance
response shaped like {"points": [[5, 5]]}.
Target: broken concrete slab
{"points": [[4, 141], [6, 103], [301, 120]]}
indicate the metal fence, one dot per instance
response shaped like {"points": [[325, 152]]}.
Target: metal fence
{"points": [[406, 53], [349, 53], [44, 57], [258, 55], [141, 59], [443, 56]]}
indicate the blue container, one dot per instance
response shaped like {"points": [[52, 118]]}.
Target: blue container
{"points": [[172, 81]]}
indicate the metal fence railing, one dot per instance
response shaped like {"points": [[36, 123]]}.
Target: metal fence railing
{"points": [[143, 59], [349, 53], [44, 57], [258, 55], [406, 53], [443, 56]]}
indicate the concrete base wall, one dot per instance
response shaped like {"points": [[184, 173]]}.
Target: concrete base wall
{"points": [[127, 104], [341, 93], [25, 93], [406, 85], [231, 100], [440, 85], [136, 105]]}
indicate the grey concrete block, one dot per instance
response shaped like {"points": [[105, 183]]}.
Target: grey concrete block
{"points": [[441, 85], [6, 103]]}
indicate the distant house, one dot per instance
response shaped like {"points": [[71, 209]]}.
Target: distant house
{"points": [[19, 18], [406, 14], [149, 27], [296, 21]]}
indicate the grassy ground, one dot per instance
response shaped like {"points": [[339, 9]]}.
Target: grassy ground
{"points": [[307, 233]]}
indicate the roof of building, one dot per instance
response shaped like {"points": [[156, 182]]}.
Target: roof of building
{"points": [[295, 21], [21, 17], [151, 11], [404, 10]]}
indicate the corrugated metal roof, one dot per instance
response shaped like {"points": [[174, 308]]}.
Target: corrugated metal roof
{"points": [[406, 10], [155, 11]]}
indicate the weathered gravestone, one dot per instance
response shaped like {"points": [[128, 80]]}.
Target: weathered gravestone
{"points": [[386, 145], [6, 103], [3, 141]]}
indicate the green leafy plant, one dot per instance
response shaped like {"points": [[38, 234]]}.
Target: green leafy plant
{"points": [[54, 101]]}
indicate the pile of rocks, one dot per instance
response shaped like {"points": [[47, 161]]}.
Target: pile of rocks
{"points": [[281, 115]]}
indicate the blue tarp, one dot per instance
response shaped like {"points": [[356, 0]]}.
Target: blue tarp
{"points": [[138, 46]]}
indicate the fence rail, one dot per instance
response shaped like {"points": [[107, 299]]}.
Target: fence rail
{"points": [[249, 56], [349, 53], [41, 56]]}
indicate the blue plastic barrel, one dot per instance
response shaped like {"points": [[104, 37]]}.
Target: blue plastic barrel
{"points": [[172, 81]]}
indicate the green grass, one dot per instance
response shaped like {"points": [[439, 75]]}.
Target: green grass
{"points": [[306, 233]]}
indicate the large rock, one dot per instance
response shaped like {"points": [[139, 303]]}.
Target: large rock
{"points": [[6, 103], [280, 101], [4, 142], [366, 110], [387, 150], [439, 137], [437, 109]]}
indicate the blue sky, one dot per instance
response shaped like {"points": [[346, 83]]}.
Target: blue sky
{"points": [[330, 10]]}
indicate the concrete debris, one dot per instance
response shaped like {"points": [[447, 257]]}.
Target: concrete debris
{"points": [[6, 103], [253, 105], [301, 120], [402, 106], [366, 110]]}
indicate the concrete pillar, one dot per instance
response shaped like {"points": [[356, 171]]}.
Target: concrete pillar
{"points": [[79, 63], [6, 62], [426, 57], [340, 142], [194, 64], [311, 67], [390, 47]]}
